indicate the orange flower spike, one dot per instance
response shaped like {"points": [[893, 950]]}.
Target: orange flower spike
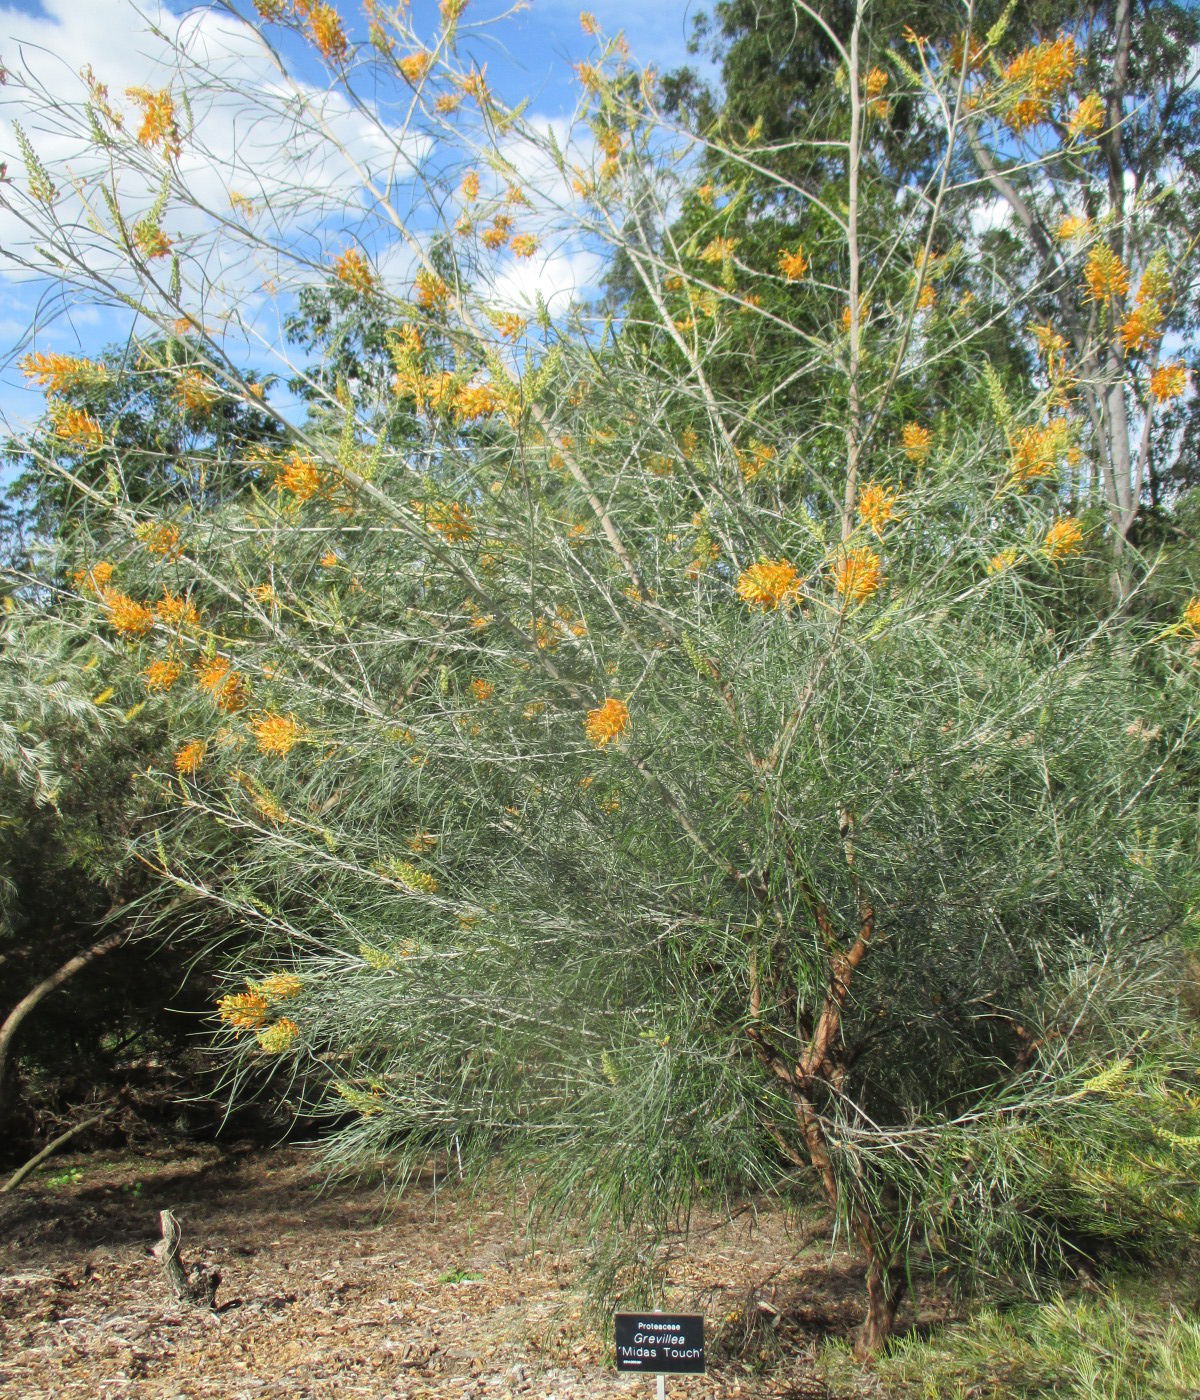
{"points": [[877, 506], [125, 615], [160, 676], [1105, 276], [1064, 538], [159, 127], [245, 1011], [769, 584], [77, 426], [1168, 382], [858, 574], [918, 442], [353, 270], [174, 611], [606, 723], [325, 30], [190, 757], [415, 66], [793, 264], [277, 734]]}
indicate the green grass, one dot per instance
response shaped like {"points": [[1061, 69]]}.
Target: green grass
{"points": [[1137, 1340]]}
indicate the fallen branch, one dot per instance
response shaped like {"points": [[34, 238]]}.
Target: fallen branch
{"points": [[49, 984], [197, 1285], [51, 1147]]}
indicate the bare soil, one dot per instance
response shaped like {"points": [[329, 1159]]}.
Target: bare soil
{"points": [[437, 1295]]}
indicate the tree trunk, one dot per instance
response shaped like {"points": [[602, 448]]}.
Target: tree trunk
{"points": [[885, 1288]]}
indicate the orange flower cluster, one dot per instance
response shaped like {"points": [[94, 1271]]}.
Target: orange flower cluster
{"points": [[1073, 226], [1105, 275], [469, 188], [877, 505], [451, 520], [1000, 563], [858, 574], [278, 1036], [59, 373], [1063, 538], [125, 615], [354, 271], [719, 250], [606, 723], [159, 127], [1191, 615], [431, 291], [195, 393], [77, 426], [174, 611], [475, 401], [918, 442], [876, 85], [281, 986], [524, 245], [754, 460], [1168, 381], [161, 675], [1036, 450], [1142, 328], [1053, 346], [245, 1011], [1037, 76], [325, 30], [510, 325], [159, 538], [415, 66], [299, 476], [190, 757], [497, 235], [223, 683], [1088, 118], [793, 264], [277, 734], [769, 584], [150, 240], [482, 690], [95, 579], [864, 315]]}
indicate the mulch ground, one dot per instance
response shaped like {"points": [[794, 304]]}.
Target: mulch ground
{"points": [[326, 1292]]}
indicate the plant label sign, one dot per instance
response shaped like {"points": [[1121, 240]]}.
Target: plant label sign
{"points": [[659, 1343]]}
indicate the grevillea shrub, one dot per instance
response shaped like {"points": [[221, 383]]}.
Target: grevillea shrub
{"points": [[669, 794]]}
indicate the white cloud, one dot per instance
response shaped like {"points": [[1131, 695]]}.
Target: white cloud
{"points": [[301, 156]]}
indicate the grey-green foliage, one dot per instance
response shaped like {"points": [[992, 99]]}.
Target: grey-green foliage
{"points": [[1130, 1342], [514, 942]]}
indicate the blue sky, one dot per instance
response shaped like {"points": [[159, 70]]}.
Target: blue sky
{"points": [[528, 56]]}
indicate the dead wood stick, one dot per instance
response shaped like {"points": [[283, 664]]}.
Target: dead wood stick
{"points": [[197, 1285]]}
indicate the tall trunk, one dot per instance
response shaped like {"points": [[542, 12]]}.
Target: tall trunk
{"points": [[854, 402]]}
